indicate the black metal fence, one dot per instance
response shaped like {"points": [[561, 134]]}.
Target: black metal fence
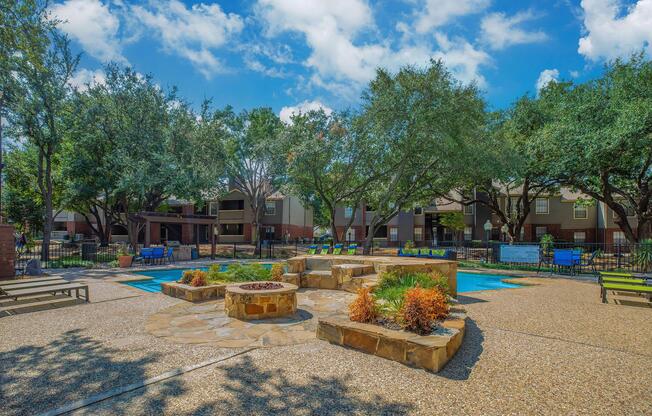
{"points": [[604, 257], [67, 254]]}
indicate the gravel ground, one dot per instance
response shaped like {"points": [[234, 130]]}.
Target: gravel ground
{"points": [[546, 349]]}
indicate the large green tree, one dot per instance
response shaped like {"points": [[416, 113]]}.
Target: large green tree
{"points": [[37, 114], [600, 140], [503, 169], [24, 35], [420, 119], [330, 165], [254, 160]]}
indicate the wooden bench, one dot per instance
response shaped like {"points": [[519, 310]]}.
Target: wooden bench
{"points": [[623, 282], [9, 293]]}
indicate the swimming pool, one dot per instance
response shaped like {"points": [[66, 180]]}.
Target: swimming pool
{"points": [[472, 282], [466, 282], [156, 277]]}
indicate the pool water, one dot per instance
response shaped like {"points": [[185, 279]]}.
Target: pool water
{"points": [[466, 282], [472, 282], [156, 277]]}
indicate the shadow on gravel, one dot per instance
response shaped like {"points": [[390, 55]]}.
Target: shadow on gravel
{"points": [[460, 367], [35, 379], [468, 300], [257, 391]]}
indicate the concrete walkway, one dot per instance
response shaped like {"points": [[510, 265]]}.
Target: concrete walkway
{"points": [[552, 349]]}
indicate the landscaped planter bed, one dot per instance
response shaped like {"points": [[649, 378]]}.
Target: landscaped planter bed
{"points": [[192, 293], [430, 352]]}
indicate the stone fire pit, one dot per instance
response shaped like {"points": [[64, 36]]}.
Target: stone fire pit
{"points": [[260, 300]]}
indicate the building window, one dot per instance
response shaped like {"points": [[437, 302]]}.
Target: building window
{"points": [[231, 229], [468, 233], [270, 207], [579, 236], [350, 235], [393, 233], [541, 206], [468, 209], [213, 208], [232, 205], [418, 234], [418, 211], [619, 237], [580, 212], [540, 231], [348, 212], [381, 232]]}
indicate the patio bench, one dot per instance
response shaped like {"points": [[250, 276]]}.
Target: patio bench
{"points": [[623, 282]]}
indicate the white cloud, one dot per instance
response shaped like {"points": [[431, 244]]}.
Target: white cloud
{"points": [[343, 63], [329, 29], [462, 59], [84, 78], [91, 23], [499, 31], [286, 113], [614, 30], [574, 74], [436, 13], [192, 33], [545, 77]]}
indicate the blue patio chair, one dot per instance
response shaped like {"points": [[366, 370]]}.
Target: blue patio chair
{"points": [[145, 255], [565, 258], [158, 253], [170, 255]]}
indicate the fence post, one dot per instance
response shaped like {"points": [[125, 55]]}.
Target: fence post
{"points": [[260, 248], [234, 249]]}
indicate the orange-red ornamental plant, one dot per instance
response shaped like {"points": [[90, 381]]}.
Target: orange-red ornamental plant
{"points": [[198, 278], [364, 307], [422, 307]]}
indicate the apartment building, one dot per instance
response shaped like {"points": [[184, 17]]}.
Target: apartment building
{"points": [[229, 219], [566, 215]]}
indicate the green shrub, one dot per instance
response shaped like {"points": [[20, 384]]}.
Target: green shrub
{"points": [[408, 245], [643, 255], [238, 273], [392, 286]]}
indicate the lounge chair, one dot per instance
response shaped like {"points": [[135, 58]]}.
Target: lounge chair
{"points": [[443, 254], [170, 255], [624, 282], [312, 249], [337, 249], [146, 255], [352, 249], [325, 248], [53, 289]]}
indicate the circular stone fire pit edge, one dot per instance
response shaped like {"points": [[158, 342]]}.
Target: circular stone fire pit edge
{"points": [[249, 304]]}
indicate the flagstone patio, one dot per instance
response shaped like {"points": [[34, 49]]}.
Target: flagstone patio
{"points": [[208, 323]]}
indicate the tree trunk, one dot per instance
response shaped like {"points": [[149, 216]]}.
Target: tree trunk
{"points": [[369, 240], [644, 229], [47, 229]]}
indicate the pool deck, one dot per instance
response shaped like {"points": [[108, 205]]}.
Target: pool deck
{"points": [[551, 348]]}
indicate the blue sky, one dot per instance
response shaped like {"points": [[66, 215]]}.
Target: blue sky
{"points": [[301, 54]]}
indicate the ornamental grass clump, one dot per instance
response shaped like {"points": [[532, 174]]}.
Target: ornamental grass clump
{"points": [[422, 308], [364, 308], [278, 269]]}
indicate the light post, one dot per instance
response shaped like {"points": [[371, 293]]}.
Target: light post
{"points": [[487, 229], [504, 229]]}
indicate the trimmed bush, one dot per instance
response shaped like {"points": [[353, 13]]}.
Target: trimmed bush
{"points": [[363, 308], [422, 308], [238, 273]]}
